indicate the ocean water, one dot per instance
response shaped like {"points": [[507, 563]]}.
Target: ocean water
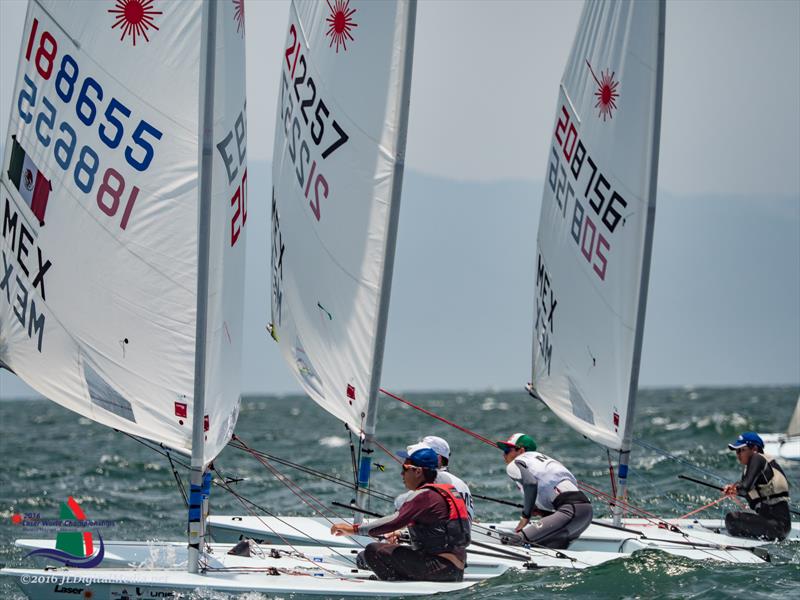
{"points": [[50, 453]]}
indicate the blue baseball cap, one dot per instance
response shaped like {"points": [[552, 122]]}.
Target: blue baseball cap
{"points": [[748, 438], [421, 457]]}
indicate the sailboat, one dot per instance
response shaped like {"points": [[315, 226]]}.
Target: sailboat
{"points": [[785, 445], [595, 239], [616, 42], [337, 176]]}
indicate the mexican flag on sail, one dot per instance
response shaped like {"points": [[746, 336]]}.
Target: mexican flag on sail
{"points": [[33, 186]]}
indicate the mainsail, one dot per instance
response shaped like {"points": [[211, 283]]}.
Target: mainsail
{"points": [[337, 172], [596, 225], [99, 200]]}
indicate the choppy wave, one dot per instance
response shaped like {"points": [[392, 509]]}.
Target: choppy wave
{"points": [[50, 453]]}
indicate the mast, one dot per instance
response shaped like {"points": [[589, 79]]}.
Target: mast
{"points": [[625, 451], [206, 123], [365, 465]]}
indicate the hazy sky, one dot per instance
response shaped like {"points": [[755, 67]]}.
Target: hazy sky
{"points": [[483, 101], [486, 76]]}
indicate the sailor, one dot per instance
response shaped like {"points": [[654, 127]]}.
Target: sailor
{"points": [[442, 449], [437, 522], [549, 491], [766, 489]]}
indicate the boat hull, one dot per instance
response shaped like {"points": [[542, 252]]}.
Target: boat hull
{"points": [[782, 446]]}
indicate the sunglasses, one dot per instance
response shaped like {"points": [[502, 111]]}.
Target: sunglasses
{"points": [[409, 468], [509, 449]]}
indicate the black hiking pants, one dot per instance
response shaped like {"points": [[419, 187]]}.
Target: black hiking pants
{"points": [[394, 562], [769, 523]]}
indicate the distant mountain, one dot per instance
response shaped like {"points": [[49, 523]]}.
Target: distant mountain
{"points": [[723, 302]]}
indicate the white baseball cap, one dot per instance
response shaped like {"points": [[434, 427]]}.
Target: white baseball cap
{"points": [[413, 448], [438, 445]]}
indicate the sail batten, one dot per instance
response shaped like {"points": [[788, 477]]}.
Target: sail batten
{"points": [[595, 230]]}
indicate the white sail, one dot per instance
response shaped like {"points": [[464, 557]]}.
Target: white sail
{"points": [[596, 222], [794, 422], [338, 155], [100, 215]]}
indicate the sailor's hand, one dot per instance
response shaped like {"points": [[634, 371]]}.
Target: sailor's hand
{"points": [[342, 529], [730, 489], [393, 537], [522, 523]]}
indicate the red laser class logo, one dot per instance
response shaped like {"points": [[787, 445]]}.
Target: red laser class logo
{"points": [[134, 17], [606, 93], [238, 15], [341, 23]]}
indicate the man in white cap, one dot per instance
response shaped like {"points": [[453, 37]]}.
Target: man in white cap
{"points": [[442, 450], [549, 490]]}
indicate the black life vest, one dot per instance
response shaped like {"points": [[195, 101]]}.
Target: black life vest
{"points": [[446, 535], [771, 486]]}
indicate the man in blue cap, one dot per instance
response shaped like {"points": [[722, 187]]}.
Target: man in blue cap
{"points": [[437, 522], [764, 485], [442, 449]]}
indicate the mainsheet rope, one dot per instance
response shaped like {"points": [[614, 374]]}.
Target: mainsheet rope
{"points": [[245, 502], [585, 487], [309, 471], [222, 483], [321, 508], [709, 505]]}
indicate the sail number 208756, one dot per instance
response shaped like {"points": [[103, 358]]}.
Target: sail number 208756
{"points": [[605, 202]]}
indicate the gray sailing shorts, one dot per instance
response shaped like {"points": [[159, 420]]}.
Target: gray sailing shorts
{"points": [[560, 528]]}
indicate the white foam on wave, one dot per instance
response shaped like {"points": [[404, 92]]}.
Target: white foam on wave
{"points": [[333, 441]]}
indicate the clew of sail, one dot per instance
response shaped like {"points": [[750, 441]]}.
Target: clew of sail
{"points": [[99, 198], [595, 229], [338, 156]]}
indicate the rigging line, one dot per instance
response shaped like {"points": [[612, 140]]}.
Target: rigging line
{"points": [[178, 480], [640, 475], [702, 508], [671, 456], [331, 478], [387, 451], [157, 448], [246, 501], [611, 474], [442, 419], [612, 500], [309, 471], [353, 458], [661, 523], [489, 442], [284, 540], [530, 547], [288, 482]]}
